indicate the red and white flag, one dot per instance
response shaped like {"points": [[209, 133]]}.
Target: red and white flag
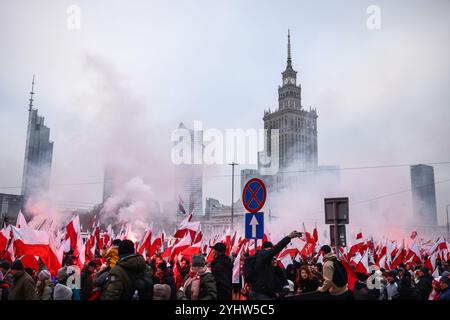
{"points": [[36, 243]]}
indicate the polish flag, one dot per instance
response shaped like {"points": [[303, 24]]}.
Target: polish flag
{"points": [[21, 222], [189, 227], [73, 230], [440, 244], [236, 275], [363, 265], [146, 241], [351, 276], [36, 243], [198, 237], [315, 234], [186, 220], [180, 246], [5, 235], [192, 250]]}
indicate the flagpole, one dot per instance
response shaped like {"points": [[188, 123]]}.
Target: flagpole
{"points": [[232, 193]]}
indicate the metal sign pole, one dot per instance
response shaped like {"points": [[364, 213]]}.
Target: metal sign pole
{"points": [[336, 240]]}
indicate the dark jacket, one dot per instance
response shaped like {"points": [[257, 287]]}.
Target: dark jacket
{"points": [[266, 280], [445, 295], [308, 285], [362, 292], [425, 286], [169, 280], [222, 270], [125, 275], [86, 279], [23, 287]]}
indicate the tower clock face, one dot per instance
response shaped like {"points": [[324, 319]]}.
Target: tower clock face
{"points": [[289, 80]]}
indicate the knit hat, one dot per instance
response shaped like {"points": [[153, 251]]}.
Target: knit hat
{"points": [[62, 292], [162, 265], [445, 274], [17, 265], [126, 248], [161, 292], [62, 273], [44, 275], [445, 280], [198, 261]]}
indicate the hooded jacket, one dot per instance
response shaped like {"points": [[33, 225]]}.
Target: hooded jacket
{"points": [[120, 285], [222, 269], [267, 280], [23, 287], [328, 271]]}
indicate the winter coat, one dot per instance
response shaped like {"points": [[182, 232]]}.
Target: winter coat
{"points": [[362, 292], [120, 285], [392, 290], [266, 280], [46, 292], [168, 280], [308, 285], [409, 294], [445, 295], [86, 279], [23, 287], [425, 286], [328, 272], [208, 288], [222, 270]]}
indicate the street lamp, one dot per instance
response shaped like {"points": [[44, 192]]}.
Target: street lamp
{"points": [[232, 191]]}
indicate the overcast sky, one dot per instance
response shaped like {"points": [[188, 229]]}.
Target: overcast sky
{"points": [[382, 96]]}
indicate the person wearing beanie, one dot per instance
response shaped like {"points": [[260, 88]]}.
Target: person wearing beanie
{"points": [[200, 283], [260, 272], [23, 287], [444, 283], [222, 270], [44, 285], [424, 282], [87, 279], [62, 292], [130, 266], [6, 279]]}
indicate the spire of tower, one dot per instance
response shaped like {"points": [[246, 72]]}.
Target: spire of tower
{"points": [[31, 95], [289, 60]]}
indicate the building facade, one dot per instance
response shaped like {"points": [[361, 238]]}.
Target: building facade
{"points": [[189, 176], [38, 155], [10, 206], [423, 194]]}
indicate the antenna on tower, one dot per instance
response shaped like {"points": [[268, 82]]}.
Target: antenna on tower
{"points": [[31, 96], [289, 60]]}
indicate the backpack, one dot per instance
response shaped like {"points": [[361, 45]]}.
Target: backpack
{"points": [[340, 274], [142, 286], [248, 269]]}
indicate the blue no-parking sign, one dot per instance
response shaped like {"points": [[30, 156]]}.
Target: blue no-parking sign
{"points": [[254, 225]]}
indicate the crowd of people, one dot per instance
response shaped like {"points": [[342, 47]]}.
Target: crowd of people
{"points": [[120, 273]]}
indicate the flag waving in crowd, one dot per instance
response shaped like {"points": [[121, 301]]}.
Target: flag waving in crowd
{"points": [[67, 263]]}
